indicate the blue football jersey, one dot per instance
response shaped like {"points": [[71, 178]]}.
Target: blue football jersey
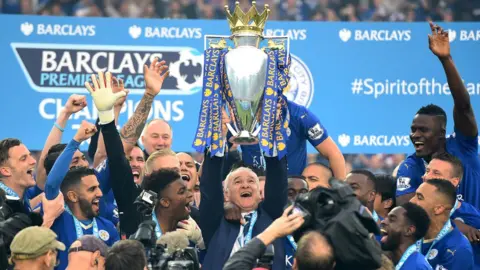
{"points": [[416, 261], [470, 215], [410, 172], [452, 252], [64, 227], [304, 126]]}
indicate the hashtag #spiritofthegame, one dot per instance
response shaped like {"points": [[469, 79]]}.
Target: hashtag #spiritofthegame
{"points": [[357, 86]]}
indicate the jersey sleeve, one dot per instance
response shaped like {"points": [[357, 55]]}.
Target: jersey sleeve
{"points": [[407, 180], [311, 127], [103, 174], [466, 144]]}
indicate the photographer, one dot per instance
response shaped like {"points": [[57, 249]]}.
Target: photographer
{"points": [[246, 258]]}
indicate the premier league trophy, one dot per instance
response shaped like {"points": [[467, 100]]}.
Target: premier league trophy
{"points": [[247, 81]]}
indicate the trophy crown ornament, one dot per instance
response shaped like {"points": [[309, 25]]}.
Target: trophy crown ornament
{"points": [[251, 22]]}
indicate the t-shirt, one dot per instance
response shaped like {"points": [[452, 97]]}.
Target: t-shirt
{"points": [[470, 216], [303, 126], [416, 261], [64, 227], [452, 252], [410, 172]]}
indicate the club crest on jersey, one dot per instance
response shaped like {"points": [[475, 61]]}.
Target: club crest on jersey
{"points": [[104, 235], [433, 254]]}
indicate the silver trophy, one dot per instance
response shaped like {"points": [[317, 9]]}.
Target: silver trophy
{"points": [[246, 68]]}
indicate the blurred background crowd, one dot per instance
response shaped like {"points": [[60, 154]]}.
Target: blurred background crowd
{"points": [[293, 10]]}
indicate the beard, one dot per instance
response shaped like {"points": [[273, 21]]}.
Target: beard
{"points": [[86, 208], [393, 241]]}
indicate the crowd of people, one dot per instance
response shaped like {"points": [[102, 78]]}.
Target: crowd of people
{"points": [[240, 208], [292, 10]]}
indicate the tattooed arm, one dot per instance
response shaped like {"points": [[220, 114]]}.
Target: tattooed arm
{"points": [[154, 77], [132, 130]]}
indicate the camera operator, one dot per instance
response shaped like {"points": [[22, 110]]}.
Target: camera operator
{"points": [[16, 176], [246, 258], [126, 255]]}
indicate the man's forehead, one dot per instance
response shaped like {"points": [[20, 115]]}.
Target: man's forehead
{"points": [[18, 151], [425, 189], [243, 173], [397, 211], [424, 119], [159, 126], [184, 157], [356, 178]]}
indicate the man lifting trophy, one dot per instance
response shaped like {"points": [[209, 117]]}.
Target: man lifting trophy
{"points": [[247, 81]]}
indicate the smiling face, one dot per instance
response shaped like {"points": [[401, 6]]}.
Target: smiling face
{"points": [[242, 189], [157, 136], [426, 134], [19, 166], [188, 170], [393, 227], [137, 163], [89, 195]]}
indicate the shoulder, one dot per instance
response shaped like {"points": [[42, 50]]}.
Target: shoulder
{"points": [[409, 165], [459, 242], [419, 260]]}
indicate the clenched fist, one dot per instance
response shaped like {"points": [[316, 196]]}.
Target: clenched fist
{"points": [[86, 131], [75, 103]]}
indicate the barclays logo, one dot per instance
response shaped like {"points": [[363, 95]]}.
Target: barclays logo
{"points": [[375, 35], [64, 68], [26, 28]]}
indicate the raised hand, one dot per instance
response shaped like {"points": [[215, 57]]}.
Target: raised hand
{"points": [[86, 131], [154, 76], [75, 103], [438, 41], [117, 86], [103, 96]]}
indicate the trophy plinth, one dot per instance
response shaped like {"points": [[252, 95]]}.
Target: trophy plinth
{"points": [[244, 138]]}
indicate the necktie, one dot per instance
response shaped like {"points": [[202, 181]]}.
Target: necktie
{"points": [[246, 227]]}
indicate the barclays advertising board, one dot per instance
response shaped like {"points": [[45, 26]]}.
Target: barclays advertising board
{"points": [[365, 81]]}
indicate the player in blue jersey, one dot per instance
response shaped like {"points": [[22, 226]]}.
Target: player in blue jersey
{"points": [[465, 216], [362, 183], [444, 246], [303, 126], [428, 133], [401, 229], [82, 193]]}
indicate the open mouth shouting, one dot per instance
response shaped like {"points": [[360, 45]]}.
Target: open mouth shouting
{"points": [[187, 208], [30, 172], [246, 194], [96, 204], [136, 173], [419, 146], [186, 177], [384, 234]]}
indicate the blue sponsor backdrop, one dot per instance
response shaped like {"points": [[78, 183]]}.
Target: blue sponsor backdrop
{"points": [[365, 81]]}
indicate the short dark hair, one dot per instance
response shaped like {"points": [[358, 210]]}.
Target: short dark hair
{"points": [[74, 177], [445, 188], [298, 177], [370, 176], [417, 217], [386, 186], [452, 160], [52, 156], [5, 146], [126, 255], [159, 180], [434, 110], [308, 258]]}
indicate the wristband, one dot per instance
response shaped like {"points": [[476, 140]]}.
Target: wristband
{"points": [[58, 126]]}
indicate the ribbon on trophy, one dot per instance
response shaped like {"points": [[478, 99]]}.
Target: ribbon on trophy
{"points": [[209, 119], [281, 124]]}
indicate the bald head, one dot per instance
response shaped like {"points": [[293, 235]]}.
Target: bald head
{"points": [[157, 135], [314, 252]]}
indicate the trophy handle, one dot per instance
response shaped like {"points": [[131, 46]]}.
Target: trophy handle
{"points": [[207, 39], [232, 130], [285, 39]]}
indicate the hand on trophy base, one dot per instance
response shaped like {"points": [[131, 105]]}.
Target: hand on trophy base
{"points": [[244, 138]]}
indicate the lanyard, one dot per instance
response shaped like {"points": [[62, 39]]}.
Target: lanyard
{"points": [[410, 250], [158, 230], [12, 193], [78, 227], [375, 216], [292, 242], [248, 237], [454, 208], [445, 230]]}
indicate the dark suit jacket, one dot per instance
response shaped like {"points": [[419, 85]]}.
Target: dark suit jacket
{"points": [[220, 235]]}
